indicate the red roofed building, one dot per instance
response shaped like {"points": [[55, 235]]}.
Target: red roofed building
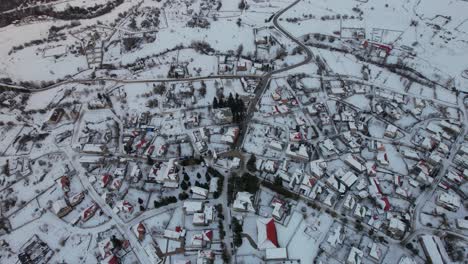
{"points": [[125, 206], [208, 235], [105, 180], [384, 47], [116, 184], [267, 237], [65, 183], [141, 143], [89, 212], [112, 259], [141, 231], [386, 204]]}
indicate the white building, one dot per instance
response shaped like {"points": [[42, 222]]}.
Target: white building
{"points": [[450, 201], [434, 249], [191, 207], [276, 254], [266, 233], [243, 202], [354, 163], [199, 192]]}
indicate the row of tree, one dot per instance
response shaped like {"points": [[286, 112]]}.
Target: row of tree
{"points": [[70, 13]]}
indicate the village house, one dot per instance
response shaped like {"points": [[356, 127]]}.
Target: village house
{"points": [[448, 200], [279, 208], [230, 136], [94, 148], [177, 234], [55, 116], [391, 131], [191, 207], [354, 163], [243, 202], [89, 212], [297, 151], [61, 208], [205, 257], [201, 240], [222, 115], [396, 227], [165, 173], [199, 192]]}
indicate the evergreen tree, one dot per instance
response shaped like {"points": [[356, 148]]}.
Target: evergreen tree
{"points": [[6, 168], [251, 163], [132, 24], [278, 181], [215, 103], [231, 103], [239, 50], [184, 186], [221, 102], [241, 107], [149, 160], [241, 5]]}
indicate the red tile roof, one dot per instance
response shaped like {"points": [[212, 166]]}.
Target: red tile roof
{"points": [[271, 232]]}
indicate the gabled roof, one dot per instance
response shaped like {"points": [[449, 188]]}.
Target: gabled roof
{"points": [[267, 237]]}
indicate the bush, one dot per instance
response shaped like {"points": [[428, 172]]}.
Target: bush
{"points": [[183, 196], [251, 163]]}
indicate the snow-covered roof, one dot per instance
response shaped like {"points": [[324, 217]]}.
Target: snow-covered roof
{"points": [[276, 253], [192, 206], [266, 233], [355, 256], [243, 202], [434, 249]]}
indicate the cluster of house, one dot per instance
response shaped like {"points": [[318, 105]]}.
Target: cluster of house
{"points": [[435, 142], [347, 183], [364, 250], [200, 240], [266, 227], [93, 140], [231, 65], [63, 206], [283, 101], [111, 249], [337, 87]]}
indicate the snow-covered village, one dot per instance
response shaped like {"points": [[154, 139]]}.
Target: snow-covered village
{"points": [[233, 131]]}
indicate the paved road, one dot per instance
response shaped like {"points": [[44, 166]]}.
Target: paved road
{"points": [[120, 81], [265, 81], [446, 163]]}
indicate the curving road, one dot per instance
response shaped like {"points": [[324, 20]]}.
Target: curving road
{"points": [[124, 226], [263, 85]]}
